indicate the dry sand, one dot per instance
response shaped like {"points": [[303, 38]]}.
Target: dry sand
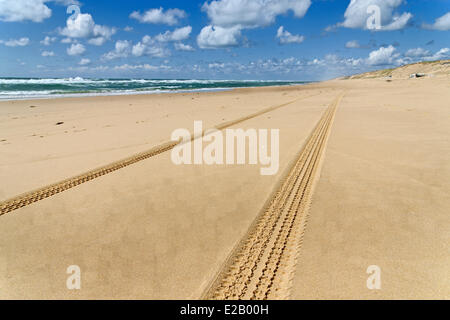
{"points": [[154, 230]]}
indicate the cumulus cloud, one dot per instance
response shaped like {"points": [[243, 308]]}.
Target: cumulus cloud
{"points": [[417, 52], [354, 44], [183, 47], [356, 15], [99, 41], [442, 23], [149, 47], [76, 49], [285, 37], [48, 40], [229, 17], [442, 54], [28, 10], [83, 26], [382, 56], [22, 42], [145, 67], [331, 65], [139, 49], [84, 62], [213, 37], [252, 13], [121, 50], [332, 60], [22, 10], [47, 54], [176, 35], [159, 16]]}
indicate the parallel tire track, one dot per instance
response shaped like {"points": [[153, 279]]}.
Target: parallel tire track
{"points": [[262, 266], [53, 189]]}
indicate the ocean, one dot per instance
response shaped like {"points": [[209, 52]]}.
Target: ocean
{"points": [[37, 88]]}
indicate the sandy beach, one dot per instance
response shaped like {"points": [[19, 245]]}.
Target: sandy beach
{"points": [[378, 193]]}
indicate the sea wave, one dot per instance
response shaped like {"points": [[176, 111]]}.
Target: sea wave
{"points": [[28, 88]]}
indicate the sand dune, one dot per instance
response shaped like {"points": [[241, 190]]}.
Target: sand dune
{"points": [[439, 68]]}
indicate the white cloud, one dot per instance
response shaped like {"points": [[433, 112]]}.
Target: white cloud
{"points": [[417, 52], [99, 41], [149, 47], [442, 23], [22, 42], [47, 54], [356, 15], [128, 29], [156, 51], [229, 17], [252, 13], [139, 49], [285, 37], [382, 56], [80, 27], [332, 60], [76, 49], [442, 54], [122, 46], [183, 47], [48, 40], [84, 62], [83, 26], [354, 44], [213, 37], [159, 16], [28, 10], [398, 22], [66, 40], [176, 35], [146, 67], [66, 2], [121, 50], [328, 67], [22, 10]]}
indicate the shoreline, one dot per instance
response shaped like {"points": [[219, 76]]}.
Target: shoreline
{"points": [[159, 91]]}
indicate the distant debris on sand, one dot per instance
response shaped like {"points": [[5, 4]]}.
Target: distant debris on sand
{"points": [[417, 75]]}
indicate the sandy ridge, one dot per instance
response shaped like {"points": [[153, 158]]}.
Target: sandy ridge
{"points": [[262, 266], [53, 189]]}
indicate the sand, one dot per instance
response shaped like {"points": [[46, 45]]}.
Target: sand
{"points": [[153, 230]]}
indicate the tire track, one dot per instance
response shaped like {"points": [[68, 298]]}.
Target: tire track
{"points": [[56, 188], [262, 266]]}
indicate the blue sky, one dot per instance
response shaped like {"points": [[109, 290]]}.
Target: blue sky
{"points": [[221, 39]]}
